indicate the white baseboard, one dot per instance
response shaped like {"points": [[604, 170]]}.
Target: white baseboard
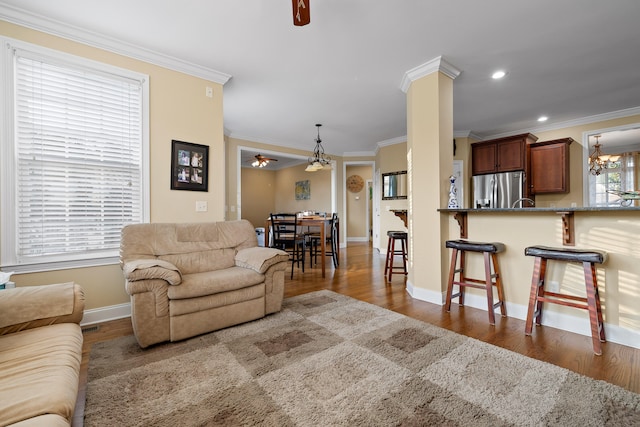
{"points": [[358, 239], [104, 314], [576, 324]]}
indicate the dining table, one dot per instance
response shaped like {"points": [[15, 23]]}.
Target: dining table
{"points": [[320, 221]]}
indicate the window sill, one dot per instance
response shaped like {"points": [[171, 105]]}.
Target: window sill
{"points": [[60, 265]]}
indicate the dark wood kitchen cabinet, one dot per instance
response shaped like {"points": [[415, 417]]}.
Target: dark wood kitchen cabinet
{"points": [[550, 166], [501, 155]]}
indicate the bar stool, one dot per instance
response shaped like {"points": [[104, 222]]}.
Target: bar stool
{"points": [[538, 295], [490, 252], [392, 252]]}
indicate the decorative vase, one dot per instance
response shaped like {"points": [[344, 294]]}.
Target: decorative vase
{"points": [[453, 200]]}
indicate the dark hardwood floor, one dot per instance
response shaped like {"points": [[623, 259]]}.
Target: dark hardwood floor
{"points": [[360, 275]]}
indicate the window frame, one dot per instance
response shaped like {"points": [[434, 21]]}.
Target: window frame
{"points": [[9, 259]]}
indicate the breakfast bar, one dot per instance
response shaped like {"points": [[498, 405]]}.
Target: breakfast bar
{"points": [[567, 217], [611, 230]]}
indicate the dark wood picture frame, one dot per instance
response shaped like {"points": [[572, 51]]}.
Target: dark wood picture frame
{"points": [[189, 166]]}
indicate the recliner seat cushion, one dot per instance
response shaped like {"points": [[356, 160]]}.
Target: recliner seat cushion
{"points": [[180, 307], [214, 282]]}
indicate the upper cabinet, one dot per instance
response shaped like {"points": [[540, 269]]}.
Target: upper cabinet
{"points": [[501, 155], [550, 166]]}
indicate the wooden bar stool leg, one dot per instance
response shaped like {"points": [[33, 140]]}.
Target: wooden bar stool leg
{"points": [[598, 306], [594, 315], [404, 256], [452, 272], [389, 256], [541, 291], [536, 283], [489, 287], [463, 277], [594, 275], [496, 270]]}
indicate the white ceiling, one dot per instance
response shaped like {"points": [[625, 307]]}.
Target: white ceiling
{"points": [[568, 59]]}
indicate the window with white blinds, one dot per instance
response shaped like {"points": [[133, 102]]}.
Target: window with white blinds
{"points": [[78, 157]]}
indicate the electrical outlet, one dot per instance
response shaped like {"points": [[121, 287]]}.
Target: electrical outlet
{"points": [[209, 92], [201, 206]]}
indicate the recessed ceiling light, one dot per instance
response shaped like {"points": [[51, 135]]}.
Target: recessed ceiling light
{"points": [[543, 118], [498, 74]]}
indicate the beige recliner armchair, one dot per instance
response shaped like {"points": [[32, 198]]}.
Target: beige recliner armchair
{"points": [[189, 279]]}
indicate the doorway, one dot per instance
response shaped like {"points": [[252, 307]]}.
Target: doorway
{"points": [[358, 200]]}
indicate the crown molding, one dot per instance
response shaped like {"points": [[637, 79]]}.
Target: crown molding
{"points": [[392, 141], [436, 64], [50, 26], [570, 123], [466, 134]]}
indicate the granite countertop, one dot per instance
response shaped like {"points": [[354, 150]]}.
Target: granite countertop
{"points": [[556, 209]]}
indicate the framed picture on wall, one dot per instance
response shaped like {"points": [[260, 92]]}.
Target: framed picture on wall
{"points": [[189, 166], [303, 190]]}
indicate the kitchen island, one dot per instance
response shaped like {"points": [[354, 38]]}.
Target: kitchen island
{"points": [[613, 230]]}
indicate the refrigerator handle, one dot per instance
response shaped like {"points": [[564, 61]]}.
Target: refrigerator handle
{"points": [[494, 192]]}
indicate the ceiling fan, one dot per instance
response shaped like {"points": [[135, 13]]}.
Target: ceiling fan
{"points": [[261, 161]]}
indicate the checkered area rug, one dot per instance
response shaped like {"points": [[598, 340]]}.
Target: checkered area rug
{"points": [[330, 360]]}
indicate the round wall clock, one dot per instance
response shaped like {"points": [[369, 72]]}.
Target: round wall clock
{"points": [[355, 183]]}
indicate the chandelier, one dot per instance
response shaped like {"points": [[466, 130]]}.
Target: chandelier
{"points": [[319, 161], [599, 161]]}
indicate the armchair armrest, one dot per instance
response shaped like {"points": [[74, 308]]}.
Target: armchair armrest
{"points": [[34, 306], [147, 269], [260, 259]]}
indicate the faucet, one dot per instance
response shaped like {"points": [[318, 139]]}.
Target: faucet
{"points": [[523, 199]]}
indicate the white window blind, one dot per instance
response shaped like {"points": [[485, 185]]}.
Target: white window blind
{"points": [[78, 159]]}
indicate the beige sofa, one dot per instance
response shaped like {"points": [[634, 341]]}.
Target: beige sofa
{"points": [[192, 278], [40, 354]]}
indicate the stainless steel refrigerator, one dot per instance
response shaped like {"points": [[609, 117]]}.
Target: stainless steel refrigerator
{"points": [[498, 190]]}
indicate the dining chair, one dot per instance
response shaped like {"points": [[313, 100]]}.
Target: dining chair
{"points": [[330, 244], [287, 235]]}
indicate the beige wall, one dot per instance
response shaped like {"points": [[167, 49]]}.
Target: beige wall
{"points": [[319, 184], [463, 152], [357, 221], [258, 195], [391, 158], [179, 110]]}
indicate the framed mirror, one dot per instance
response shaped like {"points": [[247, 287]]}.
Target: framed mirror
{"points": [[394, 185]]}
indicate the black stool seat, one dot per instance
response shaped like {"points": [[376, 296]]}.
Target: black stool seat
{"points": [[567, 254], [397, 234], [539, 295], [465, 245]]}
